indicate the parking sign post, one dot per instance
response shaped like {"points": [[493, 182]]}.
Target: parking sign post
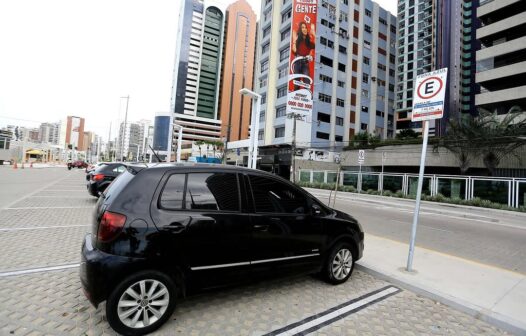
{"points": [[428, 104]]}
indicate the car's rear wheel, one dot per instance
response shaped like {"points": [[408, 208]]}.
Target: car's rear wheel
{"points": [[141, 303], [339, 264]]}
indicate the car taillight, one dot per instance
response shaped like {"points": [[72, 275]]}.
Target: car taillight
{"points": [[98, 177], [110, 226]]}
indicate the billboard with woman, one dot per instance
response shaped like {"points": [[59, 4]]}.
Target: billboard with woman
{"points": [[302, 56]]}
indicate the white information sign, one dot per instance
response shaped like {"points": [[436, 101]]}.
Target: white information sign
{"points": [[428, 98], [361, 156]]}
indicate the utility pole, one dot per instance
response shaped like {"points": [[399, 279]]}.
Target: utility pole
{"points": [[294, 116], [124, 127], [109, 143]]}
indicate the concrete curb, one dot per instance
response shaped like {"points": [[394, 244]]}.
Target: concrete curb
{"points": [[498, 320]]}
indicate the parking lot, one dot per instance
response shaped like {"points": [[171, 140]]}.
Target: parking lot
{"points": [[40, 293]]}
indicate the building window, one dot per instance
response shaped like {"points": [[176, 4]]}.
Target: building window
{"points": [[363, 127], [367, 28], [367, 44], [264, 66], [263, 82], [366, 60], [338, 138], [322, 135], [266, 32], [282, 72], [340, 102], [324, 117], [368, 12], [341, 83], [281, 111], [325, 78], [265, 47], [342, 49], [383, 21], [382, 67], [282, 91], [365, 78], [339, 121], [324, 98], [365, 93], [341, 67], [279, 132], [326, 61], [365, 109], [284, 54], [285, 34], [285, 16], [380, 114], [260, 135], [263, 98]]}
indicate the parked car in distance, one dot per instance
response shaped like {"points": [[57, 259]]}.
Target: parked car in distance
{"points": [[161, 229], [100, 178], [92, 167], [79, 164]]}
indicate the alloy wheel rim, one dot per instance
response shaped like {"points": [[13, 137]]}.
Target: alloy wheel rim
{"points": [[143, 303], [341, 264]]}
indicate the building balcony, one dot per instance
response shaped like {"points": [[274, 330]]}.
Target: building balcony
{"points": [[502, 49], [506, 97]]}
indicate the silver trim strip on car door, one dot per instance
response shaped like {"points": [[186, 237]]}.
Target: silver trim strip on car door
{"points": [[246, 263]]}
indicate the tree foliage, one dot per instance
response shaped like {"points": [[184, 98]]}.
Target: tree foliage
{"points": [[489, 136]]}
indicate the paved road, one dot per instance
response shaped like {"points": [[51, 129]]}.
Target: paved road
{"points": [[495, 238], [45, 229], [17, 183]]}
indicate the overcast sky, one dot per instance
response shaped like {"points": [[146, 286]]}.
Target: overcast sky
{"points": [[72, 57]]}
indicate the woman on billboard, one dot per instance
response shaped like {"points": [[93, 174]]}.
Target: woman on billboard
{"points": [[303, 42]]}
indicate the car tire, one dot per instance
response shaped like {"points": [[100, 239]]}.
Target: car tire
{"points": [[339, 264], [141, 303]]}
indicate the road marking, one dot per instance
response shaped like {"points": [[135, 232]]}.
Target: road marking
{"points": [[40, 208], [59, 196], [318, 321], [38, 270], [42, 227]]}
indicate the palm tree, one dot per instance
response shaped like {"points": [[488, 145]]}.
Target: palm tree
{"points": [[487, 136]]}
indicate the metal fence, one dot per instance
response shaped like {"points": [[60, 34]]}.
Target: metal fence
{"points": [[508, 191]]}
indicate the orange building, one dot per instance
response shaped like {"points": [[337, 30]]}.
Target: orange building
{"points": [[237, 71]]}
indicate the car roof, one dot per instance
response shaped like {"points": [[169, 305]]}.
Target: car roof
{"points": [[196, 165]]}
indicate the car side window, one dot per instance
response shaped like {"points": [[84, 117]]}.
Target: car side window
{"points": [[273, 196], [212, 191], [119, 169], [173, 192]]}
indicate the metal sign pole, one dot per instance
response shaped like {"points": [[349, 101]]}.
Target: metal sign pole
{"points": [[359, 183], [418, 196]]}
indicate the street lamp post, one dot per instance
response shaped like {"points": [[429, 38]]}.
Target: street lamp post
{"points": [[124, 127], [254, 125]]}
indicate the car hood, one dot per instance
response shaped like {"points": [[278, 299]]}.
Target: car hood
{"points": [[345, 216]]}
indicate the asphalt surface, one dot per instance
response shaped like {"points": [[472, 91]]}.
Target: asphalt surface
{"points": [[487, 236]]}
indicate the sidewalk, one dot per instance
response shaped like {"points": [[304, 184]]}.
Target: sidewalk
{"points": [[492, 294]]}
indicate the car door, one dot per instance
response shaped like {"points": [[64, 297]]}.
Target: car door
{"points": [[285, 235], [202, 226]]}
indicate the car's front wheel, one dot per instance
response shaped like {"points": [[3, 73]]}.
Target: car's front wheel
{"points": [[339, 264], [141, 303]]}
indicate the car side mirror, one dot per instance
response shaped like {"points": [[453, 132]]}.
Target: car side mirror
{"points": [[316, 210]]}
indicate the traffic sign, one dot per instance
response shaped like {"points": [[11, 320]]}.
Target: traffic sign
{"points": [[428, 98], [361, 156]]}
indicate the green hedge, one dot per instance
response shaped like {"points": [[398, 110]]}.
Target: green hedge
{"points": [[478, 202]]}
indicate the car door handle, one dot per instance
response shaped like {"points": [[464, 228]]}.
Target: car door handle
{"points": [[175, 227], [260, 227]]}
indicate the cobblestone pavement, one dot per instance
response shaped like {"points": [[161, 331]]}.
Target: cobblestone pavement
{"points": [[52, 302]]}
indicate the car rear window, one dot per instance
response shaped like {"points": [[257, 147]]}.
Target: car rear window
{"points": [[118, 184]]}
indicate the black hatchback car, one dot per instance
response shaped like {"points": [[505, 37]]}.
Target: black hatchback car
{"points": [[100, 178], [158, 230]]}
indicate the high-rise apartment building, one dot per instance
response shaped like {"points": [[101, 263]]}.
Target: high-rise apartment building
{"points": [[72, 133], [351, 68], [501, 61], [49, 133], [435, 34], [131, 140], [237, 70], [197, 70]]}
